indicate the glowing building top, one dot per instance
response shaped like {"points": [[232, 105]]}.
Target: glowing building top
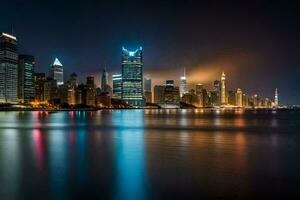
{"points": [[57, 63], [183, 84]]}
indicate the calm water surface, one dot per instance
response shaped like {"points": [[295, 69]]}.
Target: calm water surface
{"points": [[149, 154]]}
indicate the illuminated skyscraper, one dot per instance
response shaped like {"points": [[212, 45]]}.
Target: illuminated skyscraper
{"points": [[117, 86], [90, 91], [8, 69], [159, 94], [239, 98], [183, 84], [147, 89], [223, 89], [132, 77], [104, 82], [276, 101], [56, 72], [217, 93], [26, 88]]}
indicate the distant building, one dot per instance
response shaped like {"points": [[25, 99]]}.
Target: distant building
{"points": [[276, 101], [117, 86], [231, 98], [8, 69], [223, 89], [172, 95], [50, 89], [147, 90], [90, 91], [217, 93], [183, 84], [199, 88], [104, 82], [159, 94], [39, 79], [26, 87], [245, 100], [56, 72], [80, 94], [239, 98], [132, 77]]}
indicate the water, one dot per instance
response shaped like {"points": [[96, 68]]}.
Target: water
{"points": [[149, 154]]}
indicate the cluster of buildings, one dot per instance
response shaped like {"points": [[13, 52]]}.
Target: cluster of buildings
{"points": [[20, 84]]}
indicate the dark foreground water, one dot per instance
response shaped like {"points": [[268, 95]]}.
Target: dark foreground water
{"points": [[149, 154]]}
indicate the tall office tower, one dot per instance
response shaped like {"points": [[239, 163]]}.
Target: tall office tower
{"points": [[172, 94], [183, 84], [147, 89], [8, 69], [159, 94], [276, 101], [26, 88], [132, 77], [239, 98], [104, 82], [255, 100], [223, 89], [117, 86], [245, 100], [71, 89], [39, 79], [56, 72], [90, 91], [199, 88], [217, 92], [50, 89]]}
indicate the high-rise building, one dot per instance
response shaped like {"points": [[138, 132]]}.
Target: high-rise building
{"points": [[276, 101], [8, 69], [172, 94], [104, 82], [159, 94], [71, 89], [26, 87], [90, 91], [56, 72], [217, 92], [132, 77], [117, 86], [199, 88], [39, 79], [147, 89], [231, 98], [239, 98], [223, 89], [183, 84], [50, 89]]}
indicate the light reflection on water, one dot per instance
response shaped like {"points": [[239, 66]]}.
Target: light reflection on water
{"points": [[143, 154]]}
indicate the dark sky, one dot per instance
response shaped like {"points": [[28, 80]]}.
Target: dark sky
{"points": [[257, 43]]}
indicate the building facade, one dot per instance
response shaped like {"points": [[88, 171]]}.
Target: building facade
{"points": [[159, 94], [26, 88], [117, 86], [147, 89], [56, 72], [223, 89], [183, 84], [104, 82], [90, 91], [132, 77], [8, 69], [239, 98], [39, 79]]}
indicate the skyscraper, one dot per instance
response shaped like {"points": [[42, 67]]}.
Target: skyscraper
{"points": [[39, 79], [172, 94], [183, 84], [90, 91], [132, 77], [223, 89], [117, 86], [56, 72], [147, 89], [217, 92], [26, 88], [276, 101], [104, 82], [8, 69], [239, 98], [159, 94]]}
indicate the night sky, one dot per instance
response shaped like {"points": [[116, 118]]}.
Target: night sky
{"points": [[256, 43]]}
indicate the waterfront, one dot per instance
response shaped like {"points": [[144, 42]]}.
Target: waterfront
{"points": [[149, 154]]}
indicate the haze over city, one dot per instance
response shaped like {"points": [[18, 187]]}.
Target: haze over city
{"points": [[255, 42]]}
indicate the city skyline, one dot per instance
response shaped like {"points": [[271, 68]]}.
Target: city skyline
{"points": [[258, 40]]}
